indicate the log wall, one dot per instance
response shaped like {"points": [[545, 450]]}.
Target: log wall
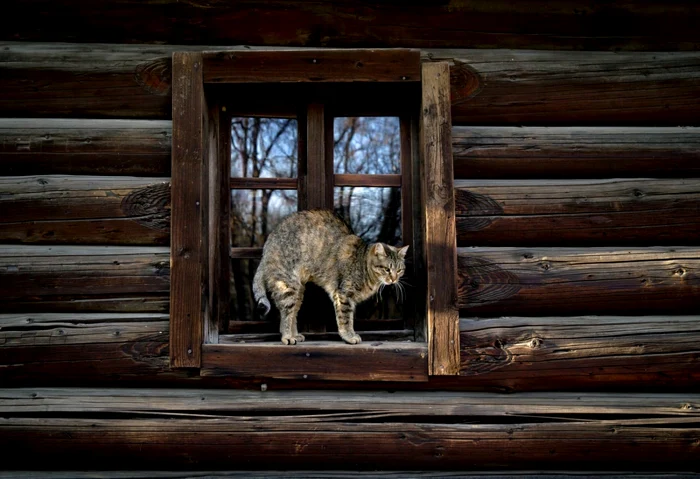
{"points": [[577, 197]]}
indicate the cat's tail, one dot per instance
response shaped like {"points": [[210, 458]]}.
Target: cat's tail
{"points": [[259, 292]]}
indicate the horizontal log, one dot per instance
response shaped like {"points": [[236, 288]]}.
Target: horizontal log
{"points": [[334, 361], [569, 353], [575, 281], [145, 427], [37, 277], [565, 25], [54, 329], [578, 212], [327, 65], [84, 147], [334, 475], [489, 87], [500, 354], [85, 210], [575, 152], [509, 87]]}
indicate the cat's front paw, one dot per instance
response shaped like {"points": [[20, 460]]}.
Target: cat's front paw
{"points": [[351, 338], [291, 340]]}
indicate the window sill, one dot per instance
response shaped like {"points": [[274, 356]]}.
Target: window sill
{"points": [[319, 360]]}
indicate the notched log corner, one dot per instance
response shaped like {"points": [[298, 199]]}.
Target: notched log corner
{"points": [[483, 282], [155, 76], [465, 82], [149, 206]]}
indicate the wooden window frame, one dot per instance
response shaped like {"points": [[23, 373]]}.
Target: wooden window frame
{"points": [[200, 189]]}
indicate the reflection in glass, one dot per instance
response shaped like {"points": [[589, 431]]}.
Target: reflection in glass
{"points": [[264, 147], [367, 145], [255, 213], [374, 214]]}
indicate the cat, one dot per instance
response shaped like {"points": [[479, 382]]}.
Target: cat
{"points": [[317, 246]]}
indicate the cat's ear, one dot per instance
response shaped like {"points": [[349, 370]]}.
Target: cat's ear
{"points": [[402, 252], [377, 249]]}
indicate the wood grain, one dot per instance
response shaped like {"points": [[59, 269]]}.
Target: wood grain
{"points": [[575, 152], [612, 352], [512, 354], [381, 181], [300, 441], [576, 281], [575, 88], [299, 66], [623, 212], [84, 147], [335, 361], [439, 212], [57, 209], [188, 247], [565, 25], [35, 278]]}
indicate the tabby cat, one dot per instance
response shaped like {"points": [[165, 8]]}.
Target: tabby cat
{"points": [[318, 246]]}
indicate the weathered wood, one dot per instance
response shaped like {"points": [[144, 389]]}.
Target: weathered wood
{"points": [[489, 87], [333, 475], [578, 212], [260, 183], [187, 243], [390, 181], [403, 335], [614, 353], [439, 211], [358, 65], [565, 25], [335, 361], [572, 88], [574, 281], [35, 278], [55, 329], [84, 210], [257, 442], [223, 267], [84, 147], [500, 354], [575, 152]]}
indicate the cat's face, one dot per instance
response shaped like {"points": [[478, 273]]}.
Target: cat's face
{"points": [[387, 262]]}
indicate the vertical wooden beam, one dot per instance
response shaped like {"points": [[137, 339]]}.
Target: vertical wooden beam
{"points": [[223, 311], [318, 167], [406, 180], [439, 214], [419, 281], [189, 138]]}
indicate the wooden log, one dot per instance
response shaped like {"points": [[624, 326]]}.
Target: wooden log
{"points": [[575, 152], [377, 361], [37, 278], [509, 87], [84, 147], [578, 212], [256, 442], [439, 226], [55, 329], [574, 281], [500, 354], [302, 66], [614, 353], [335, 475], [84, 210], [488, 87], [565, 25]]}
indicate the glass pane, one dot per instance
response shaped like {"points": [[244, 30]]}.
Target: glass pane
{"points": [[374, 214], [367, 145], [264, 147], [255, 213], [242, 303]]}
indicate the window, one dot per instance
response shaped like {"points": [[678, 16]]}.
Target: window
{"points": [[341, 130]]}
